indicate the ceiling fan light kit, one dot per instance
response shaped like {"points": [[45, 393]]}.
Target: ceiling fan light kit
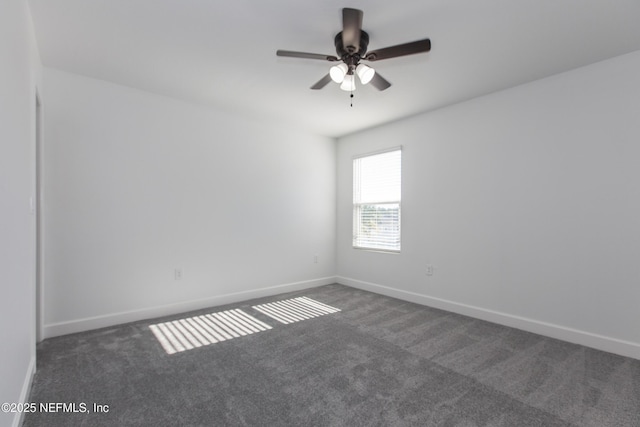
{"points": [[351, 46]]}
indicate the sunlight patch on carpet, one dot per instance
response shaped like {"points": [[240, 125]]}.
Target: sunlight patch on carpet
{"points": [[295, 309], [186, 334]]}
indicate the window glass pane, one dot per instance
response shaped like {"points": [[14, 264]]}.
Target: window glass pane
{"points": [[378, 226], [379, 177]]}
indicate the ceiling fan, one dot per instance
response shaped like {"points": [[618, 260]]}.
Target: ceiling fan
{"points": [[351, 46]]}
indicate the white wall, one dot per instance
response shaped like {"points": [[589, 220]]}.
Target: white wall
{"points": [[526, 201], [19, 77], [139, 184]]}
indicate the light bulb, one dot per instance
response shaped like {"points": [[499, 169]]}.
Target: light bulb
{"points": [[349, 83], [365, 73], [337, 72]]}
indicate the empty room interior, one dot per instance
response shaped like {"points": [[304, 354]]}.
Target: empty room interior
{"points": [[320, 213]]}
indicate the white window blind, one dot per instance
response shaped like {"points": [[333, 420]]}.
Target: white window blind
{"points": [[376, 201]]}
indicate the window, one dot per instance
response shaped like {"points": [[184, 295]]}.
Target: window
{"points": [[376, 201]]}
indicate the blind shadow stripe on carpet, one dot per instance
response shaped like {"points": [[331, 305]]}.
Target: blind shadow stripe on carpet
{"points": [[295, 309], [185, 334]]}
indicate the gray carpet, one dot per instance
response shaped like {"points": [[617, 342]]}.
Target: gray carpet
{"points": [[378, 362]]}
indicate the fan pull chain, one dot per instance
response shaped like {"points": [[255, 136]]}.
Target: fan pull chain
{"points": [[351, 96]]}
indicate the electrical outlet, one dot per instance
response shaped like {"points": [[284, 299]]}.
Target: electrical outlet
{"points": [[178, 273], [429, 270]]}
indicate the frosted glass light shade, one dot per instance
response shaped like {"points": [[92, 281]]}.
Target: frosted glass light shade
{"points": [[365, 73], [349, 83], [337, 72]]}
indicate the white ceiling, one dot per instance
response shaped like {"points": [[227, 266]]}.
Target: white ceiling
{"points": [[222, 53]]}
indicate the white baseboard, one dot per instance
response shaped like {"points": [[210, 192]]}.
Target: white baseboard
{"points": [[26, 391], [588, 339], [86, 324]]}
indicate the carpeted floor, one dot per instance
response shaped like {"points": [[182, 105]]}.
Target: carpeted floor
{"points": [[377, 362]]}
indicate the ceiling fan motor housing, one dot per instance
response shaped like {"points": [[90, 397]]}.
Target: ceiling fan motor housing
{"points": [[351, 55]]}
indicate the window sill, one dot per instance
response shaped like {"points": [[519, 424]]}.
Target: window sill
{"points": [[383, 251]]}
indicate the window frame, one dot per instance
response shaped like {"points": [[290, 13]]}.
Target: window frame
{"points": [[357, 205]]}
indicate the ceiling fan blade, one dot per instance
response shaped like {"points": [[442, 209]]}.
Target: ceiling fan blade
{"points": [[306, 55], [399, 50], [351, 28], [322, 82], [379, 82]]}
